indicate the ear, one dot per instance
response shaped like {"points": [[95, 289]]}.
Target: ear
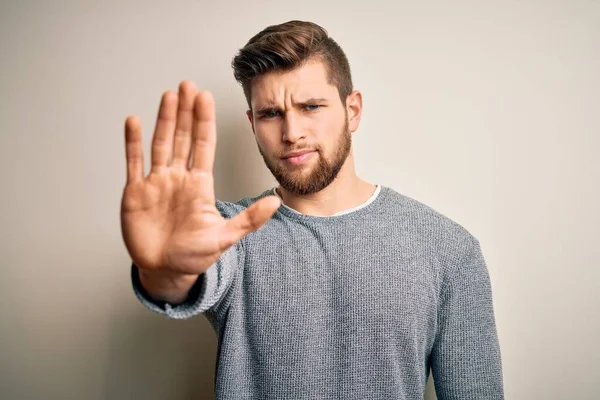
{"points": [[251, 119], [354, 109]]}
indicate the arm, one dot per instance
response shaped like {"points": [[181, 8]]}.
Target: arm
{"points": [[465, 358], [183, 248]]}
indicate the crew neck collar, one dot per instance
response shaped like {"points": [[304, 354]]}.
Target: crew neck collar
{"points": [[377, 196]]}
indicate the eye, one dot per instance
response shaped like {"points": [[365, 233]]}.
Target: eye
{"points": [[270, 114], [312, 107]]}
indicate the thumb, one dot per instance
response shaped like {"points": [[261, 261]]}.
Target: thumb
{"points": [[249, 220]]}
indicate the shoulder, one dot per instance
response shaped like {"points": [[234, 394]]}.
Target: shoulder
{"points": [[426, 224], [456, 250]]}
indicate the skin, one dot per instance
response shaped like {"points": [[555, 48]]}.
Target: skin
{"points": [[301, 110]]}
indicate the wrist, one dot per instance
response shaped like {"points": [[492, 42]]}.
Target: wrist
{"points": [[167, 286]]}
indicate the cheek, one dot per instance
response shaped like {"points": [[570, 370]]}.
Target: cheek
{"points": [[268, 141], [328, 129]]}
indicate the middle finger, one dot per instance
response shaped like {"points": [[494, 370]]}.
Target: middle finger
{"points": [[183, 129]]}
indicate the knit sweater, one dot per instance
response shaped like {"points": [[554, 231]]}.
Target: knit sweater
{"points": [[360, 305]]}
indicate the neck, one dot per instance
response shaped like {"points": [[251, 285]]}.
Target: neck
{"points": [[345, 192]]}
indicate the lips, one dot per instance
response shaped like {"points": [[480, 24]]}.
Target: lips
{"points": [[298, 157], [297, 153]]}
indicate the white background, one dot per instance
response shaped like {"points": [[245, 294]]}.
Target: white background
{"points": [[487, 111]]}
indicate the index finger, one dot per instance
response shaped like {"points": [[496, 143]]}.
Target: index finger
{"points": [[204, 133]]}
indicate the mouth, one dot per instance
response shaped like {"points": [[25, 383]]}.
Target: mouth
{"points": [[298, 157]]}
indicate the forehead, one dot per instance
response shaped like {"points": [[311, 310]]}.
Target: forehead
{"points": [[308, 81]]}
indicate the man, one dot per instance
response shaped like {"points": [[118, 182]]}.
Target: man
{"points": [[326, 287]]}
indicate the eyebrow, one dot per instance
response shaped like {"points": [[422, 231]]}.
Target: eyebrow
{"points": [[266, 108], [313, 100], [271, 106]]}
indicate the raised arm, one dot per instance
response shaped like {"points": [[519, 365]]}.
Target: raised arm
{"points": [[170, 225]]}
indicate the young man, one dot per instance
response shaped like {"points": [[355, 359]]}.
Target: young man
{"points": [[326, 287]]}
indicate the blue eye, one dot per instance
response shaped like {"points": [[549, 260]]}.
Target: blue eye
{"points": [[312, 107]]}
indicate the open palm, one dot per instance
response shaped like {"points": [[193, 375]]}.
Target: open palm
{"points": [[169, 220]]}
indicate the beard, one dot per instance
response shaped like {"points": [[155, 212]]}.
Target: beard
{"points": [[300, 182]]}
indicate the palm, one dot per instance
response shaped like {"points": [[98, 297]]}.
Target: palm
{"points": [[166, 214], [169, 219]]}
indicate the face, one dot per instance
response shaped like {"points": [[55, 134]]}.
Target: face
{"points": [[302, 128]]}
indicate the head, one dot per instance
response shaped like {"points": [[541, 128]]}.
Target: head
{"points": [[298, 86]]}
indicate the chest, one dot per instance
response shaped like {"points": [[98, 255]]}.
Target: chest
{"points": [[334, 282]]}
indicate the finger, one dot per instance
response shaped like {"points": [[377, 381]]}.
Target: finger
{"points": [[249, 220], [162, 142], [134, 152], [183, 129], [205, 133]]}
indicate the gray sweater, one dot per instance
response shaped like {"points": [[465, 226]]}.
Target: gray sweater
{"points": [[356, 306]]}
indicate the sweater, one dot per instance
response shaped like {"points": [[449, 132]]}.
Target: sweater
{"points": [[361, 305]]}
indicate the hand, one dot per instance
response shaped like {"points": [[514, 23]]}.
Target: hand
{"points": [[169, 221]]}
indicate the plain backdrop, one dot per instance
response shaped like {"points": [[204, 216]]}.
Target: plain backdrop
{"points": [[487, 111]]}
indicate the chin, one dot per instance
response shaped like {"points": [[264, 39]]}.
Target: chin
{"points": [[306, 178]]}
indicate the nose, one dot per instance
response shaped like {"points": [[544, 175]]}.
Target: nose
{"points": [[292, 129]]}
